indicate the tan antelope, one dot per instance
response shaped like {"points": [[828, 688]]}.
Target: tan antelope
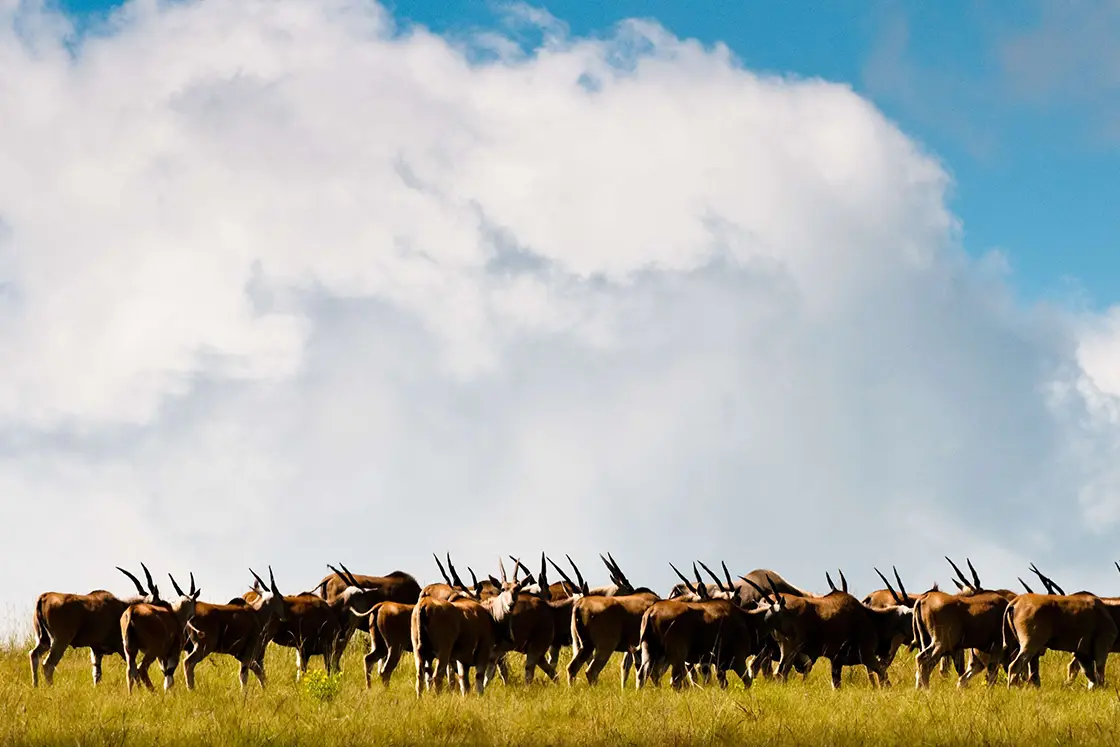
{"points": [[945, 624], [1074, 667], [238, 630], [459, 632], [887, 598], [92, 621], [1080, 624], [602, 625], [156, 631], [390, 632]]}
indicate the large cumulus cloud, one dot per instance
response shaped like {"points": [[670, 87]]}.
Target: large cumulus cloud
{"points": [[281, 284]]}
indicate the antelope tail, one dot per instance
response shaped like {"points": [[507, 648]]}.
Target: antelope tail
{"points": [[1010, 637], [377, 641], [40, 622], [921, 633]]}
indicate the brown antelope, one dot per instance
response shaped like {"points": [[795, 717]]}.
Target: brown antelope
{"points": [[460, 631], [836, 627], [390, 632], [238, 630], [945, 624], [312, 626], [398, 586], [561, 608], [91, 621], [717, 631], [1080, 624], [529, 629], [602, 625], [887, 598], [156, 630], [1111, 603]]}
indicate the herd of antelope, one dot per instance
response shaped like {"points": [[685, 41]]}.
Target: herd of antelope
{"points": [[744, 625]]}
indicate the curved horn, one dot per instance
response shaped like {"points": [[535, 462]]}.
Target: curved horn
{"points": [[523, 567], [562, 574], [687, 584], [757, 588], [457, 582], [829, 579], [897, 599], [618, 571], [579, 576], [975, 576], [610, 570], [727, 576], [1024, 583], [502, 568], [719, 583], [176, 586], [136, 581], [843, 581], [151, 584], [272, 582], [442, 571], [194, 590], [777, 596], [350, 576], [901, 588], [340, 574], [959, 574], [258, 579]]}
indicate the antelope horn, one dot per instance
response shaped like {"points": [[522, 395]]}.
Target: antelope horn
{"points": [[757, 588], [687, 584], [897, 599], [522, 566], [272, 582], [1024, 583], [727, 576], [136, 581], [193, 588], [151, 584], [975, 576], [457, 582], [340, 574], [719, 583], [958, 584], [618, 570], [829, 579], [901, 588], [352, 581], [579, 576], [176, 586], [843, 581], [773, 586], [959, 574], [614, 576], [502, 568], [562, 574], [257, 578], [442, 572]]}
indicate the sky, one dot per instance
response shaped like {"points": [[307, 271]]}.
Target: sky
{"points": [[293, 283]]}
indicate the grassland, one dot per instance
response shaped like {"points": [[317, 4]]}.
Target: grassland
{"points": [[74, 713]]}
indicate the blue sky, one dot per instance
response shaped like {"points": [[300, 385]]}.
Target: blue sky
{"points": [[1037, 167]]}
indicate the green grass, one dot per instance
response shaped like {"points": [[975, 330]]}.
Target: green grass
{"points": [[344, 713]]}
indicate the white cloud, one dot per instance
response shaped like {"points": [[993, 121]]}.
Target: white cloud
{"points": [[282, 286]]}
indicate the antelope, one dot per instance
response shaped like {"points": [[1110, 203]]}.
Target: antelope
{"points": [[1111, 603], [560, 606], [390, 632], [887, 598], [397, 586], [156, 630], [945, 624], [1078, 623], [239, 630], [602, 625], [91, 621], [529, 629], [836, 626], [676, 633], [312, 626], [458, 631]]}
